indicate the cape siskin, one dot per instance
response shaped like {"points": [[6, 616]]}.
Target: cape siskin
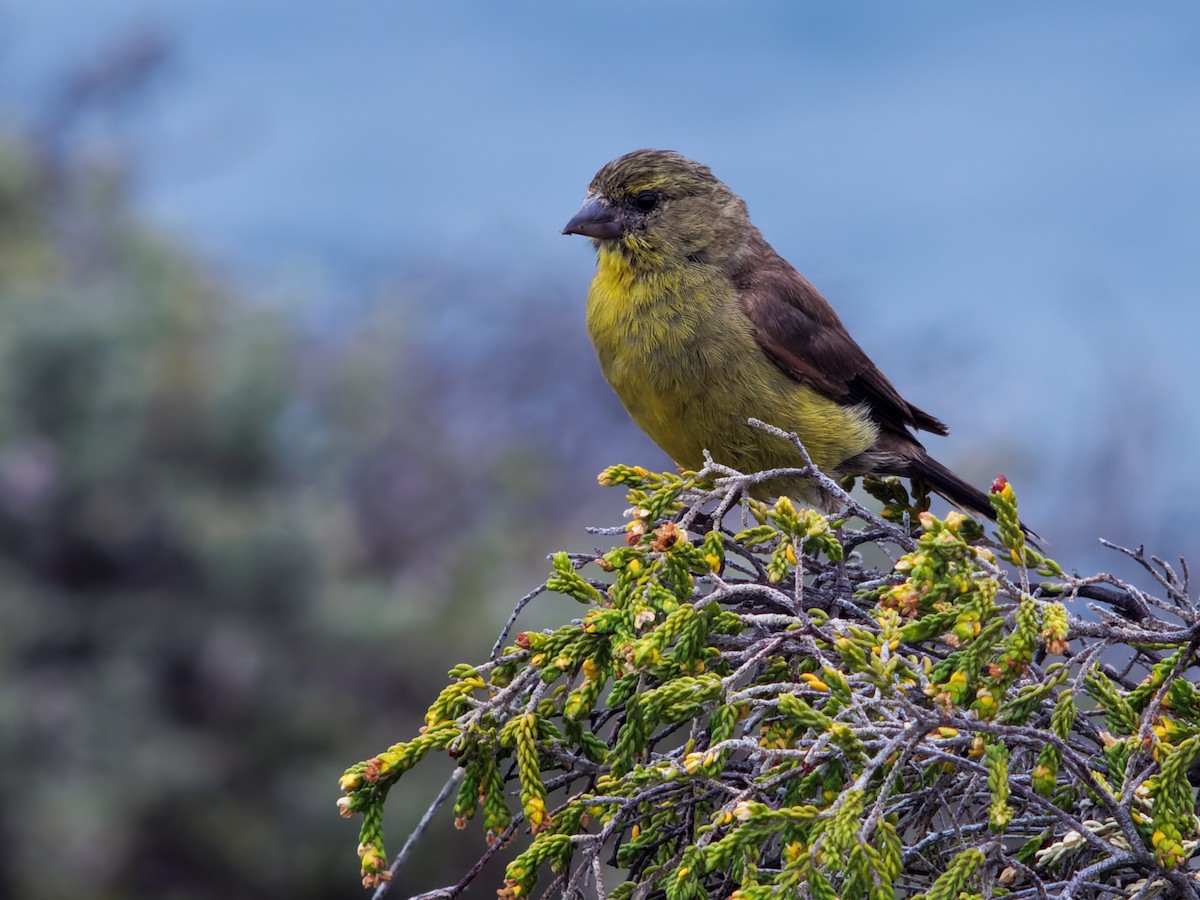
{"points": [[700, 325]]}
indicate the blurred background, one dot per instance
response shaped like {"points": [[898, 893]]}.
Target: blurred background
{"points": [[295, 393]]}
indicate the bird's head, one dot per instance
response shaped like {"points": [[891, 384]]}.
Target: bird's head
{"points": [[661, 205]]}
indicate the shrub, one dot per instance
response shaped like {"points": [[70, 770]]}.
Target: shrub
{"points": [[764, 712]]}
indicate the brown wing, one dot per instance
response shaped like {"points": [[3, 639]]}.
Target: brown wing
{"points": [[800, 331]]}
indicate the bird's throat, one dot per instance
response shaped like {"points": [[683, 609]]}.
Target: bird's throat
{"points": [[633, 300], [631, 271]]}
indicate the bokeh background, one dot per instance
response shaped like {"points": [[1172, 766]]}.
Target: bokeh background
{"points": [[295, 394]]}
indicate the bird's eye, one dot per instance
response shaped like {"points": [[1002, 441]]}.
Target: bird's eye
{"points": [[646, 201]]}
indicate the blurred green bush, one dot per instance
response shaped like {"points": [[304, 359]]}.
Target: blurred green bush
{"points": [[223, 545]]}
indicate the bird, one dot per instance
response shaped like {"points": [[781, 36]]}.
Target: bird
{"points": [[700, 325]]}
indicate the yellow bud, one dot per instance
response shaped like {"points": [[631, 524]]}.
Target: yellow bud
{"points": [[813, 681], [743, 810]]}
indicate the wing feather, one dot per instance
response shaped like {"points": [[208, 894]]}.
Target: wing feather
{"points": [[803, 335]]}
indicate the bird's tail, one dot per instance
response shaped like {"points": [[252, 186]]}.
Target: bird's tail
{"points": [[941, 480]]}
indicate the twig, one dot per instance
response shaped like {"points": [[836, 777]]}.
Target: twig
{"points": [[512, 619], [449, 788]]}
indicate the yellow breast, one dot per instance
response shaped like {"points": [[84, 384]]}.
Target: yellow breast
{"points": [[676, 347]]}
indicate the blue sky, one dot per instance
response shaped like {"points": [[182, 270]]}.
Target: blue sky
{"points": [[1003, 201]]}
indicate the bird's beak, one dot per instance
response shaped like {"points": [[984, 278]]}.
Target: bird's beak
{"points": [[595, 219]]}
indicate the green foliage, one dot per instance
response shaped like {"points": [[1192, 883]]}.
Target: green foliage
{"points": [[756, 713], [217, 561], [151, 538]]}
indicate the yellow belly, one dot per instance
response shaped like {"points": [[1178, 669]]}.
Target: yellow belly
{"points": [[682, 357]]}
